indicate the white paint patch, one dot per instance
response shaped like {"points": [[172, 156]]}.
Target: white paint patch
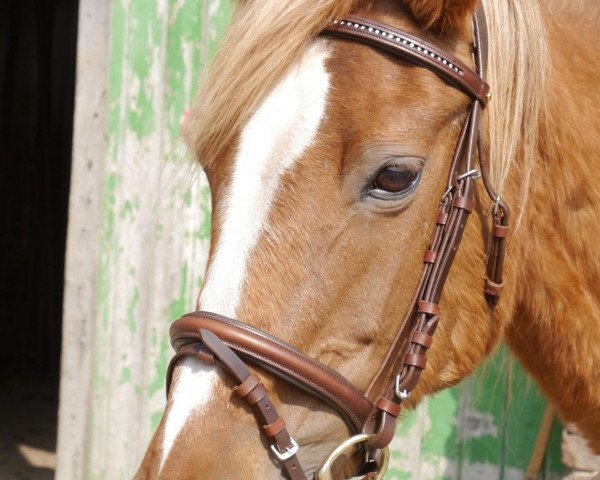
{"points": [[479, 424], [275, 136]]}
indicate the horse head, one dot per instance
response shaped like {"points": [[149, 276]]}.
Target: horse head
{"points": [[328, 162]]}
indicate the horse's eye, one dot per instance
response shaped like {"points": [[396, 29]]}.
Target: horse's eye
{"points": [[393, 181]]}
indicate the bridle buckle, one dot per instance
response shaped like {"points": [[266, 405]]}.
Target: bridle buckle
{"points": [[473, 173], [289, 452], [400, 393]]}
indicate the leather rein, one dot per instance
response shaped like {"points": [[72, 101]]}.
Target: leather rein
{"points": [[372, 415]]}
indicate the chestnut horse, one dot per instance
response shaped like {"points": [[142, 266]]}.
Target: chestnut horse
{"points": [[318, 240]]}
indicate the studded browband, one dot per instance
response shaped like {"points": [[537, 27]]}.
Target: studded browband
{"points": [[408, 46], [215, 339]]}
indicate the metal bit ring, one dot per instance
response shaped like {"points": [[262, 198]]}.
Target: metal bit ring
{"points": [[324, 472]]}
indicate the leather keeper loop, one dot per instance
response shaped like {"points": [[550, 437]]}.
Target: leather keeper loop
{"points": [[421, 338], [256, 394], [428, 307], [442, 218], [429, 256], [200, 353], [415, 360], [492, 288], [388, 407], [501, 231], [246, 386], [463, 203], [205, 357], [274, 428]]}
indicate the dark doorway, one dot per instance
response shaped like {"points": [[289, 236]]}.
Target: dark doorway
{"points": [[37, 83]]}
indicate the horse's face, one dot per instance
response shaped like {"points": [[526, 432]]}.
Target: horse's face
{"points": [[322, 210]]}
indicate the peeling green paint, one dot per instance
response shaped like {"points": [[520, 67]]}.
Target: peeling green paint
{"points": [[206, 219], [176, 308], [115, 77], [129, 209], [132, 310], [406, 423], [491, 420], [160, 230], [394, 474], [179, 306], [107, 244], [160, 368], [125, 375], [145, 37], [442, 438], [155, 419], [183, 61]]}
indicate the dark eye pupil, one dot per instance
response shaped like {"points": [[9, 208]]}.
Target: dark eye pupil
{"points": [[395, 179]]}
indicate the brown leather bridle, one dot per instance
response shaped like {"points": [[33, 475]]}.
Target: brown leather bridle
{"points": [[372, 415]]}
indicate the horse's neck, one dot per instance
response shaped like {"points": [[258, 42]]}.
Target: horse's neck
{"points": [[556, 328]]}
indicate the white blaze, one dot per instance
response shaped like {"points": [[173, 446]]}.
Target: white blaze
{"points": [[191, 390], [275, 136]]}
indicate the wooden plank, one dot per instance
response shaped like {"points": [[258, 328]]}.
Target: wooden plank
{"points": [[154, 238], [147, 227], [82, 246]]}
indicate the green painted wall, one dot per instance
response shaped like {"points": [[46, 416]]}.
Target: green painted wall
{"points": [[154, 221], [484, 428], [153, 241]]}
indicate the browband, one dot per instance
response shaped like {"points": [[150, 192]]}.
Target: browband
{"points": [[414, 49]]}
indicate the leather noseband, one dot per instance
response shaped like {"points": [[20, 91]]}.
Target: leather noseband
{"points": [[214, 339]]}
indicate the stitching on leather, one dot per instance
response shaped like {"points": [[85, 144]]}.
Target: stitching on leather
{"points": [[454, 60], [343, 405], [194, 335], [327, 393], [349, 410], [466, 70], [416, 40], [416, 52], [320, 366], [429, 46]]}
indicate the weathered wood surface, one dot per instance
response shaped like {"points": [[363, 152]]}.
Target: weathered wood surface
{"points": [[80, 294], [139, 224], [138, 240]]}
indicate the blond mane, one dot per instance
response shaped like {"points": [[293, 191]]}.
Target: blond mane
{"points": [[264, 40], [267, 37], [518, 68]]}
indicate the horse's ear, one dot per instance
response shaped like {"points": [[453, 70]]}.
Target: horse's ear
{"points": [[442, 15]]}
